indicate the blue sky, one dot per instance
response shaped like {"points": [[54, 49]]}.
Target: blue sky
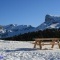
{"points": [[27, 12]]}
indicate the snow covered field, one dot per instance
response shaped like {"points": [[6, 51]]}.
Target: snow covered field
{"points": [[18, 50]]}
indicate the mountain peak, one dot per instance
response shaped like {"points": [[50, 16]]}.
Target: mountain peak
{"points": [[49, 18], [50, 22], [13, 24]]}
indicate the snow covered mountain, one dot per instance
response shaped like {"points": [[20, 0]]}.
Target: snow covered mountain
{"points": [[14, 29], [50, 22]]}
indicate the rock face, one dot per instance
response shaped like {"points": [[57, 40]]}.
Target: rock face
{"points": [[48, 18], [53, 19], [50, 22]]}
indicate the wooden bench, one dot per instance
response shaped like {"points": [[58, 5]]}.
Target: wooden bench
{"points": [[40, 40]]}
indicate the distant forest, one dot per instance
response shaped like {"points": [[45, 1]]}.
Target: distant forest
{"points": [[48, 33]]}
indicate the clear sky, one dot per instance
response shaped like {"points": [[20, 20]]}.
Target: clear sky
{"points": [[27, 12]]}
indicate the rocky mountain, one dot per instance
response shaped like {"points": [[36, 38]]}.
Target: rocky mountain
{"points": [[14, 29], [50, 22]]}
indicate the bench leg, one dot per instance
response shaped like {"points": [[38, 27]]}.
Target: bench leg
{"points": [[53, 42], [40, 45], [35, 44], [58, 44]]}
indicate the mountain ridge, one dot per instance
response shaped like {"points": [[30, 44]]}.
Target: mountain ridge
{"points": [[14, 29]]}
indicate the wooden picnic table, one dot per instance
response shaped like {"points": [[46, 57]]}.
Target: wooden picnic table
{"points": [[40, 40]]}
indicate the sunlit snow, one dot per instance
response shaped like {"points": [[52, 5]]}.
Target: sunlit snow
{"points": [[19, 50]]}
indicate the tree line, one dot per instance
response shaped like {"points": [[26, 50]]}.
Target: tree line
{"points": [[48, 33]]}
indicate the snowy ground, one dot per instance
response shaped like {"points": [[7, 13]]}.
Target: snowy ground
{"points": [[18, 50]]}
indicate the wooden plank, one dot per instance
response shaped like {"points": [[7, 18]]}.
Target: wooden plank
{"points": [[47, 39], [47, 43]]}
